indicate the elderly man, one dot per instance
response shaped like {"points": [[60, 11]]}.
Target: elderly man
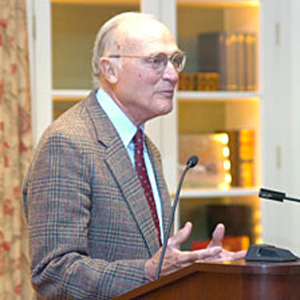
{"points": [[96, 201]]}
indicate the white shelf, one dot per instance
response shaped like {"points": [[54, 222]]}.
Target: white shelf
{"points": [[94, 2], [70, 93], [225, 3], [191, 95], [215, 193]]}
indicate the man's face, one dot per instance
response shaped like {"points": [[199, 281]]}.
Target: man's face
{"points": [[142, 91]]}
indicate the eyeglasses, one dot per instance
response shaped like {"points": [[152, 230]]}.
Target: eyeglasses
{"points": [[159, 61]]}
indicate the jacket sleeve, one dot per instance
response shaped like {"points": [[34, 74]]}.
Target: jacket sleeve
{"points": [[57, 199]]}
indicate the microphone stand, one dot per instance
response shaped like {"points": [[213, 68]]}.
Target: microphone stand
{"points": [[190, 164]]}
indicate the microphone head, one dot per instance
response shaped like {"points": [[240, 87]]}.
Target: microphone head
{"points": [[192, 161], [270, 194]]}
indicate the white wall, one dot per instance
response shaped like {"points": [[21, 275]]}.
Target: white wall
{"points": [[281, 136], [295, 115]]}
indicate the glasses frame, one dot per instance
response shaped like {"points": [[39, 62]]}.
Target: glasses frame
{"points": [[151, 58]]}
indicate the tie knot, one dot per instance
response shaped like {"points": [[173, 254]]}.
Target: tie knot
{"points": [[138, 139]]}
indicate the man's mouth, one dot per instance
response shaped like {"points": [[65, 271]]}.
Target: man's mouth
{"points": [[168, 93]]}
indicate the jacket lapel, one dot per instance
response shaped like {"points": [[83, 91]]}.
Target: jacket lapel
{"points": [[119, 163], [162, 187]]}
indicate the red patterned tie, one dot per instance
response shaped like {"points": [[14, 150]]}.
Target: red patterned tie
{"points": [[140, 167]]}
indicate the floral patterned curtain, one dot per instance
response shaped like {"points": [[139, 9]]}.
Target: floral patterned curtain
{"points": [[15, 148]]}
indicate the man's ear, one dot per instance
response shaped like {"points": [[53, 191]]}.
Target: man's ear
{"points": [[108, 70]]}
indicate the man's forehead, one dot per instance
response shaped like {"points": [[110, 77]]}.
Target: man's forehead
{"points": [[140, 23], [139, 28], [151, 36]]}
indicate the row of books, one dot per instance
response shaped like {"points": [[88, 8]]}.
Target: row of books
{"points": [[232, 56], [208, 81], [227, 159]]}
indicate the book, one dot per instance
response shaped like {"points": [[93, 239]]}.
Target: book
{"points": [[241, 62], [188, 81], [198, 81], [242, 157], [208, 81], [230, 73], [250, 58], [212, 55], [232, 56]]}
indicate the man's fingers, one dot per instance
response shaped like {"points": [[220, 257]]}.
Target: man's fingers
{"points": [[217, 236], [230, 256], [181, 236], [203, 254], [238, 255]]}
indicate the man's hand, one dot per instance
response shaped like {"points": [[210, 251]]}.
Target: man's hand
{"points": [[216, 241], [175, 259]]}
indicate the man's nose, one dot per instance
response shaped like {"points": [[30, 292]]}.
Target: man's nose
{"points": [[171, 73]]}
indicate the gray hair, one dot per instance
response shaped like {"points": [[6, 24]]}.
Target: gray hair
{"points": [[106, 38]]}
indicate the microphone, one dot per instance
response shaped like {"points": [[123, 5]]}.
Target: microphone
{"points": [[191, 163], [275, 195], [265, 252]]}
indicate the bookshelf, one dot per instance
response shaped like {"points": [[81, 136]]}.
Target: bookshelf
{"points": [[69, 45], [229, 106]]}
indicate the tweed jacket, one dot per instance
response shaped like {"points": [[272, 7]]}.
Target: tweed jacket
{"points": [[91, 230]]}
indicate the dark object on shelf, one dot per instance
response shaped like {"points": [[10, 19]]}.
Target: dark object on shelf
{"points": [[265, 252], [236, 218]]}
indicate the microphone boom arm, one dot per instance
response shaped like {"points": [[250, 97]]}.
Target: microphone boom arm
{"points": [[190, 164]]}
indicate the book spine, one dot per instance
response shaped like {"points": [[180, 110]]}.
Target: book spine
{"points": [[231, 50], [242, 155], [241, 62], [251, 82]]}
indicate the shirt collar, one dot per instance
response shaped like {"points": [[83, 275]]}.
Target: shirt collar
{"points": [[124, 126]]}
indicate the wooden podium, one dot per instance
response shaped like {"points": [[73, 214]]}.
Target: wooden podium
{"points": [[238, 280]]}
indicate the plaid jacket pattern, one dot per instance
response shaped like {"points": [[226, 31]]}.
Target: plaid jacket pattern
{"points": [[90, 225]]}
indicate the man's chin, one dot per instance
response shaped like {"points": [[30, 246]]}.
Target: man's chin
{"points": [[166, 110]]}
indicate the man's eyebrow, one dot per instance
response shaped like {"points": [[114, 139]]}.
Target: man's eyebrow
{"points": [[158, 52]]}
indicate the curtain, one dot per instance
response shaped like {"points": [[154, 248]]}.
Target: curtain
{"points": [[15, 149]]}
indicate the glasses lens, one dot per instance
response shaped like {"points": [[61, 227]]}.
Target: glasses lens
{"points": [[159, 61], [178, 61]]}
